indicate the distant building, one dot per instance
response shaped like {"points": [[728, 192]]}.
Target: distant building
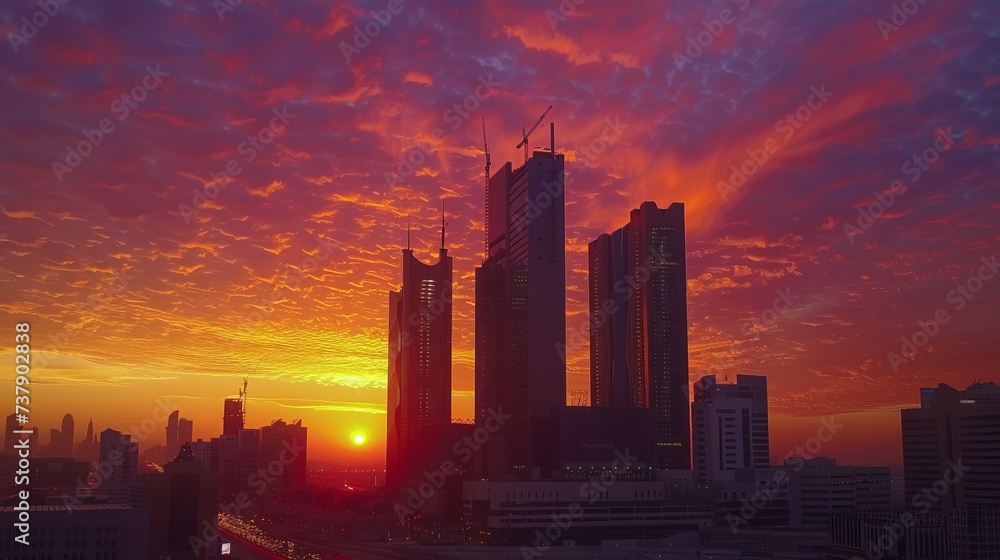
{"points": [[638, 335], [185, 431], [419, 385], [89, 447], [586, 436], [78, 531], [183, 504], [521, 316], [226, 455], [179, 432], [119, 456], [730, 426]]}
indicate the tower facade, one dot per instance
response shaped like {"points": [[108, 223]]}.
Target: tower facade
{"points": [[521, 315], [232, 417], [638, 335], [419, 386]]}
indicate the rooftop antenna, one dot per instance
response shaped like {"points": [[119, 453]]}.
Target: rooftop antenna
{"points": [[486, 148], [443, 224], [407, 232], [524, 141]]}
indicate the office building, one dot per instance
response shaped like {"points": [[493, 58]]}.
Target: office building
{"points": [[953, 438], [77, 531], [283, 451], [521, 316], [419, 385], [730, 427], [250, 457], [183, 504], [638, 337]]}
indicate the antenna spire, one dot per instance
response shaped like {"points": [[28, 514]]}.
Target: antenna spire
{"points": [[443, 224], [407, 232]]}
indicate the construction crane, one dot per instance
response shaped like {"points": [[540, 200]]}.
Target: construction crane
{"points": [[525, 135], [486, 148], [243, 391]]}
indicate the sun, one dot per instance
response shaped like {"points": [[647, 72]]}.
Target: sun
{"points": [[358, 437]]}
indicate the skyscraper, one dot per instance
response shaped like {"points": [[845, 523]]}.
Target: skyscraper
{"points": [[730, 427], [232, 417], [172, 421], [521, 315], [185, 431], [284, 445], [638, 336], [419, 387]]}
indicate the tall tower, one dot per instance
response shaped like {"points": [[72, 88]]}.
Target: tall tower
{"points": [[638, 336], [232, 417], [172, 425], [521, 315], [419, 387]]}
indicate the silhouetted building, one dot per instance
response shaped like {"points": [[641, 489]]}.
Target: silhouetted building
{"points": [[953, 438], [638, 310], [232, 417], [521, 316], [183, 505], [730, 426], [249, 448], [119, 457], [185, 431], [179, 431], [226, 454], [586, 436], [419, 386], [283, 451], [171, 429], [89, 447]]}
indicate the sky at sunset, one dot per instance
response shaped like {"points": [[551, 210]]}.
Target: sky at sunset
{"points": [[248, 199]]}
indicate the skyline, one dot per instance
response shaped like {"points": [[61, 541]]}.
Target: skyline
{"points": [[180, 285]]}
